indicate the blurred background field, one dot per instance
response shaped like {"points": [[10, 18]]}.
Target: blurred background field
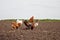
{"points": [[43, 20]]}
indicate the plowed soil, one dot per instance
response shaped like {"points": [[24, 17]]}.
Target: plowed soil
{"points": [[45, 31]]}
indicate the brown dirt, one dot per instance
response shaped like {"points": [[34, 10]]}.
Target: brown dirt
{"points": [[45, 31]]}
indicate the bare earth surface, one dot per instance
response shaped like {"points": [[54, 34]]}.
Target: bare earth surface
{"points": [[45, 31]]}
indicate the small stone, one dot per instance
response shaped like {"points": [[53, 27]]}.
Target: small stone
{"points": [[21, 35]]}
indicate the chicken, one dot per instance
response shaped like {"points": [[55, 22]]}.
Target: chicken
{"points": [[17, 24]]}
